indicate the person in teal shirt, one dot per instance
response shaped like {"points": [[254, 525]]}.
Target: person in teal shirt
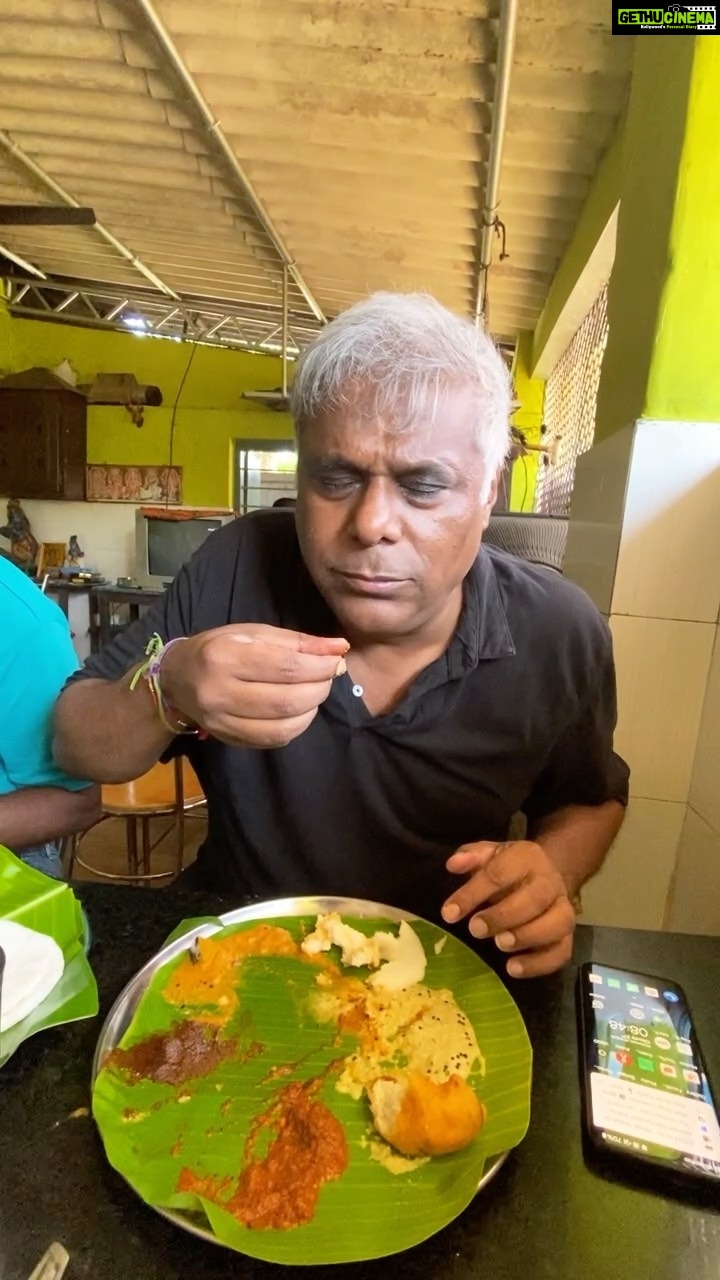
{"points": [[39, 804]]}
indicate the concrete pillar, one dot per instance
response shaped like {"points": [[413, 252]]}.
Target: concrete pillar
{"points": [[644, 536]]}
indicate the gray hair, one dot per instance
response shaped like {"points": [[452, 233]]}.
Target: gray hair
{"points": [[406, 349]]}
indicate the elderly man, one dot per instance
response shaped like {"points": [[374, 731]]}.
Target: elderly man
{"points": [[367, 695]]}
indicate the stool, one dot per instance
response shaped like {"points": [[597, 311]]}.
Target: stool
{"points": [[165, 790]]}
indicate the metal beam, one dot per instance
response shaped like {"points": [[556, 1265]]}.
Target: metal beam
{"points": [[212, 124], [285, 331], [503, 71], [103, 306], [27, 162], [21, 263]]}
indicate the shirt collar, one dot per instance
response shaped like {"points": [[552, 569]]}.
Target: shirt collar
{"points": [[483, 631]]}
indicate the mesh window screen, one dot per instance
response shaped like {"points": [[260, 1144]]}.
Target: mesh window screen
{"points": [[570, 401]]}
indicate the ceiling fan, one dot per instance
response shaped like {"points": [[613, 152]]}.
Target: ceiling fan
{"points": [[45, 215]]}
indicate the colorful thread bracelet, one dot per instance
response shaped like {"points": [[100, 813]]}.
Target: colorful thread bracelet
{"points": [[150, 673]]}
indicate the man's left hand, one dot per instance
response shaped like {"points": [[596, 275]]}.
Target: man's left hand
{"points": [[524, 903]]}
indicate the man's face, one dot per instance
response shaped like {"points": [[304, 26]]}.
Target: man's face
{"points": [[390, 522]]}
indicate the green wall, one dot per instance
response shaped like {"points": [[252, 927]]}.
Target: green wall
{"points": [[211, 414], [654, 140], [528, 418], [684, 380]]}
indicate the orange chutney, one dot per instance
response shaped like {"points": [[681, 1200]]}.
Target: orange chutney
{"points": [[209, 979]]}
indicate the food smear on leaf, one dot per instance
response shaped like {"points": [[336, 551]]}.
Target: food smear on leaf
{"points": [[280, 1189], [421, 1027], [187, 1051], [399, 960], [208, 979], [396, 1164], [416, 1050]]}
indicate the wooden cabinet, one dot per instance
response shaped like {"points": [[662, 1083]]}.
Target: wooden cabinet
{"points": [[43, 437]]}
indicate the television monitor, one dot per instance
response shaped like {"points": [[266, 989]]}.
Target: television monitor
{"points": [[164, 543]]}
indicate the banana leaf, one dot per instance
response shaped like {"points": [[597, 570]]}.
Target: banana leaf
{"points": [[151, 1131], [49, 906]]}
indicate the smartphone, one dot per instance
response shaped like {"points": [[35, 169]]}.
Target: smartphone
{"points": [[648, 1104]]}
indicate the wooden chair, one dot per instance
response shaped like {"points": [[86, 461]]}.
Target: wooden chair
{"points": [[166, 790]]}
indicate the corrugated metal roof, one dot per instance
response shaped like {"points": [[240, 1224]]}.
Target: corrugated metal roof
{"points": [[363, 127]]}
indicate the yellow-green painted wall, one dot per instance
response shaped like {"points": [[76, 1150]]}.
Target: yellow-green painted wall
{"points": [[642, 292], [211, 414], [684, 380], [528, 419]]}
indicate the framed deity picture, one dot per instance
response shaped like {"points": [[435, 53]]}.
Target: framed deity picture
{"points": [[109, 482], [51, 555]]}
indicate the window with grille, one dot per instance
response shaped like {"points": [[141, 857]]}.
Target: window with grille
{"points": [[264, 472], [570, 403]]}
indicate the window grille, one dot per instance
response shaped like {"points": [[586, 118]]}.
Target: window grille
{"points": [[570, 404], [264, 473]]}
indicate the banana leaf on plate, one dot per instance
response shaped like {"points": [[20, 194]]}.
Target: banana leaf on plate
{"points": [[153, 1131]]}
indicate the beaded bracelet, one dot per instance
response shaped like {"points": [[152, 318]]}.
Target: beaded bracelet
{"points": [[150, 673]]}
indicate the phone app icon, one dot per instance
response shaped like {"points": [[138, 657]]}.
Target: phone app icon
{"points": [[667, 1069], [614, 983], [652, 992], [595, 977], [637, 1013], [683, 1047], [623, 1057], [662, 1042], [597, 1004], [671, 997], [631, 986], [645, 1064], [692, 1077]]}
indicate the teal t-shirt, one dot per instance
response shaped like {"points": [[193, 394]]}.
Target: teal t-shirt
{"points": [[36, 658]]}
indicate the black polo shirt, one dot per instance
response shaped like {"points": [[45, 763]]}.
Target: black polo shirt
{"points": [[517, 714]]}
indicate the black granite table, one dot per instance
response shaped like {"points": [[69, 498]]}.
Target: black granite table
{"points": [[544, 1217]]}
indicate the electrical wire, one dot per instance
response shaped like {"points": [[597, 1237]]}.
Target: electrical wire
{"points": [[174, 415], [527, 481]]}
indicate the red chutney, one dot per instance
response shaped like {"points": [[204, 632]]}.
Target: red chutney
{"points": [[281, 1189]]}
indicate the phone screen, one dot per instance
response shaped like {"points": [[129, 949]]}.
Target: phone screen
{"points": [[647, 1089]]}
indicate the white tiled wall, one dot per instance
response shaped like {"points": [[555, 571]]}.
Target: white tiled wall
{"points": [[695, 898], [662, 671], [705, 785], [668, 564], [632, 887], [644, 538], [105, 530]]}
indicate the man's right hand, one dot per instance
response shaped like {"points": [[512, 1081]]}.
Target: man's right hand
{"points": [[251, 685]]}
